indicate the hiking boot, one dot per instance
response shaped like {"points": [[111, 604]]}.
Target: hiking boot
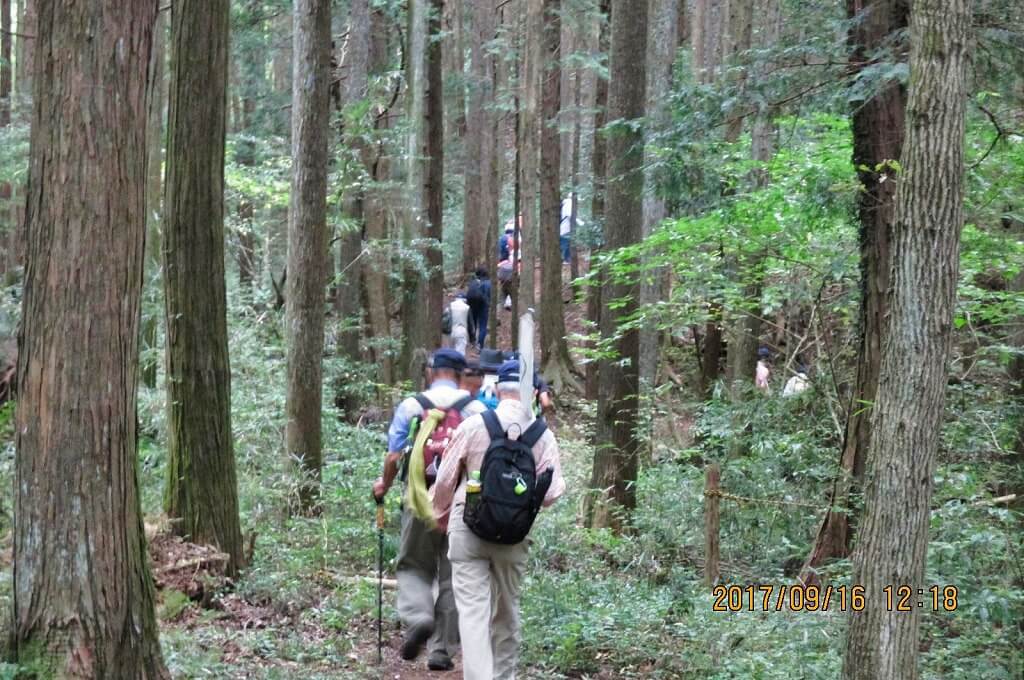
{"points": [[415, 638], [440, 661]]}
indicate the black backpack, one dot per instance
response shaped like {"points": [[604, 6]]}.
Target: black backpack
{"points": [[475, 293], [497, 513], [446, 321]]}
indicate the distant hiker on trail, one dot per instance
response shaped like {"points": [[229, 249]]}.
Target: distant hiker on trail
{"points": [[482, 474], [430, 419], [565, 228], [506, 273], [798, 383], [763, 372], [504, 243], [460, 335], [478, 295]]}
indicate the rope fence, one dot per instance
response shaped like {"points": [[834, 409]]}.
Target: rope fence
{"points": [[713, 495]]}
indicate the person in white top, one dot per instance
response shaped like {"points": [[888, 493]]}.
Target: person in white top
{"points": [[460, 324], [565, 227], [797, 383]]}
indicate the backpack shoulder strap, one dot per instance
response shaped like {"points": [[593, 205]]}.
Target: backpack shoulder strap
{"points": [[425, 403], [534, 432], [493, 425], [461, 404]]}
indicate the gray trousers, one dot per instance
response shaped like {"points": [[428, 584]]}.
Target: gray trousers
{"points": [[487, 579], [422, 559]]}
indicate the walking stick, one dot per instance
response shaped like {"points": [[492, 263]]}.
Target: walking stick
{"points": [[380, 580]]}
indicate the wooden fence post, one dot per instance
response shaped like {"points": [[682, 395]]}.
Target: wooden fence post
{"points": [[711, 524]]}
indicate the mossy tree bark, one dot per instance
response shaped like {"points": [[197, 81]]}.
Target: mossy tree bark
{"points": [[878, 130], [202, 488], [83, 594], [613, 483], [308, 243], [908, 413]]}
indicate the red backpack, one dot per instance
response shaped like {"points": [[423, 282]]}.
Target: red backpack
{"points": [[441, 436]]}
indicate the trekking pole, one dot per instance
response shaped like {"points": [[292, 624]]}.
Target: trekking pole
{"points": [[380, 580]]}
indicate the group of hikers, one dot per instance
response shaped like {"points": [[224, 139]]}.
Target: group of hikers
{"points": [[797, 383], [476, 466]]}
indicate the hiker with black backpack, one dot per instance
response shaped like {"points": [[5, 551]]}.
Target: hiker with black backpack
{"points": [[497, 473], [423, 427]]}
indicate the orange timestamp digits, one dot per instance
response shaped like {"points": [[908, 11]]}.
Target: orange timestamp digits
{"points": [[776, 598], [795, 598]]}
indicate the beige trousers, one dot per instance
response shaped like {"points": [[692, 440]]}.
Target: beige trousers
{"points": [[422, 559], [487, 578]]}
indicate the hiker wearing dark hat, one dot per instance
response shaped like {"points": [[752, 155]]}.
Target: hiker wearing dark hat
{"points": [[421, 429], [488, 558]]}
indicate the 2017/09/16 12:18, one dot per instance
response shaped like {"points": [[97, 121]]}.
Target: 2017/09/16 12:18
{"points": [[816, 598]]}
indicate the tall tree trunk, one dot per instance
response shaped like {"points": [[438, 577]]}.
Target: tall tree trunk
{"points": [[281, 61], [878, 129], [908, 413], [454, 65], [554, 350], [745, 327], [709, 37], [28, 27], [613, 484], [202, 490], [248, 75], [377, 262], [83, 593], [415, 334], [529, 136], [738, 40], [307, 242], [478, 152], [662, 43], [7, 209], [348, 298], [6, 38], [434, 188], [599, 159], [494, 144], [154, 192]]}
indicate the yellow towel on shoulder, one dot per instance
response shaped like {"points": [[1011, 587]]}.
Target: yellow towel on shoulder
{"points": [[416, 497]]}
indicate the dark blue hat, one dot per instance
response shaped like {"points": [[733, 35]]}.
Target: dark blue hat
{"points": [[491, 360], [509, 372], [448, 358], [764, 352]]}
